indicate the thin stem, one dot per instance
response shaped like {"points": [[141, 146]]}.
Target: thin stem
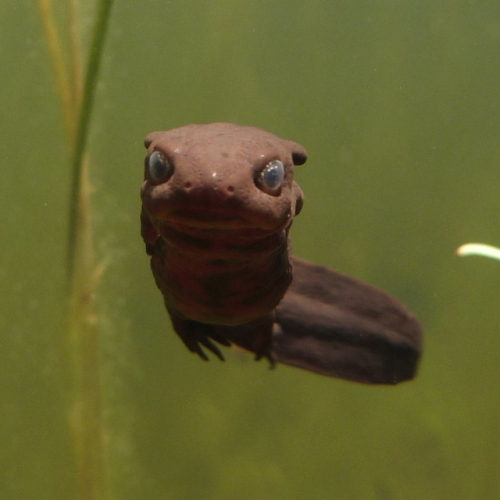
{"points": [[77, 98], [88, 422], [88, 412], [95, 57], [76, 57], [56, 55]]}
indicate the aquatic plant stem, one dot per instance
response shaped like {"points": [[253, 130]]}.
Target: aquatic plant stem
{"points": [[87, 414], [62, 79], [91, 78]]}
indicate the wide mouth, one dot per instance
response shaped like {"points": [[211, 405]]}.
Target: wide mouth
{"points": [[194, 219], [218, 230], [207, 214]]}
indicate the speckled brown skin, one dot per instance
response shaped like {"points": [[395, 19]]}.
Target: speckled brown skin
{"points": [[219, 243], [219, 251]]}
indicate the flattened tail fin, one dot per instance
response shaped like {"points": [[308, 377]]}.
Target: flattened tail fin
{"points": [[338, 326]]}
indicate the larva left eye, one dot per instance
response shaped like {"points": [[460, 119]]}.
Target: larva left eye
{"points": [[271, 177], [160, 169]]}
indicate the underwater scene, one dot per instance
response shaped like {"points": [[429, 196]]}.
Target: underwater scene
{"points": [[398, 107]]}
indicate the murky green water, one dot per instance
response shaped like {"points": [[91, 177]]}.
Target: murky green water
{"points": [[398, 104]]}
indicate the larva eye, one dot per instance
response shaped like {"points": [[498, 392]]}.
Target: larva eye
{"points": [[271, 177], [160, 169]]}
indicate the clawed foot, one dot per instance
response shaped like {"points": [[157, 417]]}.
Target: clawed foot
{"points": [[195, 335], [255, 337], [264, 345]]}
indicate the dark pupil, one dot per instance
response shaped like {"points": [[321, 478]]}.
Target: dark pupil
{"points": [[157, 166], [272, 176]]}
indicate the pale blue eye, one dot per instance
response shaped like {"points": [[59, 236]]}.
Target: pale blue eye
{"points": [[160, 169], [272, 176]]}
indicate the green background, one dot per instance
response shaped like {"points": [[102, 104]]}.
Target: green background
{"points": [[398, 104]]}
